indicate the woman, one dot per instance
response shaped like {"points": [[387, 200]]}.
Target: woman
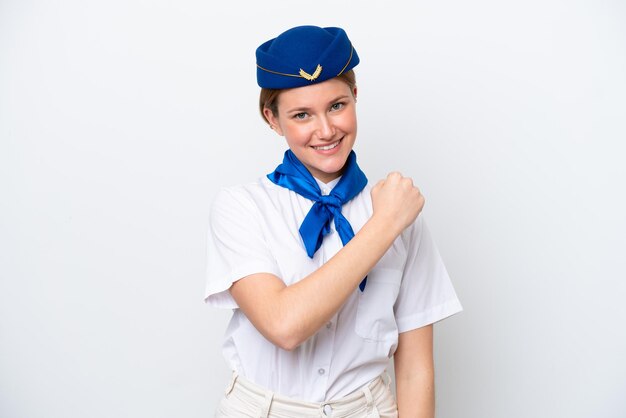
{"points": [[327, 277]]}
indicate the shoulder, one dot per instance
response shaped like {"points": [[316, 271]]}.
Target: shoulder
{"points": [[254, 196], [234, 198]]}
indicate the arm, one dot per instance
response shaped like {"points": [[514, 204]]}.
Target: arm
{"points": [[288, 315], [415, 374]]}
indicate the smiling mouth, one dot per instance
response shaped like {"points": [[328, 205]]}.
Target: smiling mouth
{"points": [[328, 147]]}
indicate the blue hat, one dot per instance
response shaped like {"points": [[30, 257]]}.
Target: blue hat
{"points": [[304, 55]]}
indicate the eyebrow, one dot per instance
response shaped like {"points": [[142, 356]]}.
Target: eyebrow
{"points": [[306, 109]]}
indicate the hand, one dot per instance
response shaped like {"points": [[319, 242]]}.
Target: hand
{"points": [[396, 201]]}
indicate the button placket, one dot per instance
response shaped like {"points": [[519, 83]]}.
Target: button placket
{"points": [[323, 353]]}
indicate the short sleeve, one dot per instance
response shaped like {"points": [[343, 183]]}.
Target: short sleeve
{"points": [[426, 292], [236, 246]]}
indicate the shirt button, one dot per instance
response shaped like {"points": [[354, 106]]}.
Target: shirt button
{"points": [[325, 191], [329, 325], [321, 372]]}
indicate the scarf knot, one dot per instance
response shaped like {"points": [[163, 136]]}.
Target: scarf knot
{"points": [[332, 201], [293, 175]]}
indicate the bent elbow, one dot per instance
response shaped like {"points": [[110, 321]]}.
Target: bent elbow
{"points": [[285, 338], [288, 345]]}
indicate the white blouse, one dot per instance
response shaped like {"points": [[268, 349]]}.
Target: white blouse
{"points": [[254, 228]]}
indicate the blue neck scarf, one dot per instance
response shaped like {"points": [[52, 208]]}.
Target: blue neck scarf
{"points": [[293, 175]]}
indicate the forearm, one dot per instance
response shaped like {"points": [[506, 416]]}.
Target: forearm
{"points": [[416, 396], [304, 307], [415, 373]]}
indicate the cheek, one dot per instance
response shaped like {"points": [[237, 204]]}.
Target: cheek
{"points": [[297, 133], [348, 122]]}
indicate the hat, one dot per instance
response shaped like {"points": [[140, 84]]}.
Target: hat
{"points": [[304, 55]]}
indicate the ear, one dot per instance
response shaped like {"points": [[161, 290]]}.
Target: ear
{"points": [[272, 120], [354, 91]]}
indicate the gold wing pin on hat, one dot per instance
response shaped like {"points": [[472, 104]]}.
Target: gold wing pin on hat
{"points": [[313, 76]]}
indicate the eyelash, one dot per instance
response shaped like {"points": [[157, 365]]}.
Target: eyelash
{"points": [[333, 107]]}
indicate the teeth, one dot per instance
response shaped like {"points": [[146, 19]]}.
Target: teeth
{"points": [[327, 147]]}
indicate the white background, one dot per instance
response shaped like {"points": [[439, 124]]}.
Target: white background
{"points": [[120, 120]]}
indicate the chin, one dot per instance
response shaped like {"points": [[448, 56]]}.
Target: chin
{"points": [[333, 170]]}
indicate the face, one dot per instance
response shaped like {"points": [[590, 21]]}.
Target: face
{"points": [[319, 124]]}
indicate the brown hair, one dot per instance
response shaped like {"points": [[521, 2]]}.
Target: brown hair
{"points": [[269, 97]]}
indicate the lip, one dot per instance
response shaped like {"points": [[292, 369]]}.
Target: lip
{"points": [[330, 151]]}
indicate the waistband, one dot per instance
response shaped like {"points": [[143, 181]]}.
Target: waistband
{"points": [[361, 402]]}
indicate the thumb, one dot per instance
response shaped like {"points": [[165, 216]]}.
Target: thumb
{"points": [[377, 187]]}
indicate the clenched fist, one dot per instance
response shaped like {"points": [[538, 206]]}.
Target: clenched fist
{"points": [[396, 201]]}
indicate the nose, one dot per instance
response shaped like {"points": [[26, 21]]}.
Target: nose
{"points": [[325, 129]]}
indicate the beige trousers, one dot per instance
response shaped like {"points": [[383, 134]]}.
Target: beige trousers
{"points": [[244, 399]]}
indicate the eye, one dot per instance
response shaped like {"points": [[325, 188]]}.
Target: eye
{"points": [[300, 116], [337, 106]]}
